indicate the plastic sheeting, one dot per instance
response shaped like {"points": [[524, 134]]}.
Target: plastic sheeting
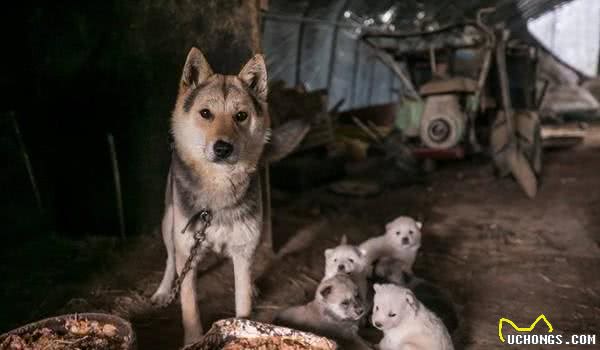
{"points": [[572, 33], [325, 53]]}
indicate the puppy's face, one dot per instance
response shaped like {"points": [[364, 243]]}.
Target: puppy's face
{"points": [[221, 119], [340, 295], [391, 305], [344, 259], [404, 232]]}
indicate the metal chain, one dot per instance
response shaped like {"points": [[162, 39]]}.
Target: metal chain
{"points": [[199, 237]]}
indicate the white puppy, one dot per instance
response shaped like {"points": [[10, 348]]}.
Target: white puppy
{"points": [[401, 241], [406, 323], [350, 260]]}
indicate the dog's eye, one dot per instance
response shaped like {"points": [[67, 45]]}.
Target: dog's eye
{"points": [[398, 233], [411, 232], [345, 303], [205, 113], [391, 314], [351, 261], [334, 260], [240, 116], [376, 308]]}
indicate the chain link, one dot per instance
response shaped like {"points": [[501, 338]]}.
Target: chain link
{"points": [[199, 236]]}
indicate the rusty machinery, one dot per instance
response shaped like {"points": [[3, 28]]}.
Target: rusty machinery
{"points": [[475, 92]]}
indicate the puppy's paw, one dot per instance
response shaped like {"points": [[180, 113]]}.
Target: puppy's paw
{"points": [[160, 298]]}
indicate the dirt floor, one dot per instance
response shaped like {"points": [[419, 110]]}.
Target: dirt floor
{"points": [[492, 250]]}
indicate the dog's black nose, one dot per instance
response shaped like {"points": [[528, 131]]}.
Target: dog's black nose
{"points": [[405, 240], [341, 267], [222, 149]]}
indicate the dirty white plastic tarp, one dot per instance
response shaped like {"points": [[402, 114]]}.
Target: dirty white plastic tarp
{"points": [[572, 32]]}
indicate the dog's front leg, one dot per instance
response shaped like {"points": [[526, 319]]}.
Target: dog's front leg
{"points": [[243, 285], [161, 296], [190, 313]]}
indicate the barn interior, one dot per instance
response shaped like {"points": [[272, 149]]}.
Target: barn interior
{"points": [[479, 118]]}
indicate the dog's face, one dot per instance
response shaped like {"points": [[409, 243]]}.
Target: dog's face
{"points": [[404, 232], [391, 305], [344, 259], [340, 295], [221, 119]]}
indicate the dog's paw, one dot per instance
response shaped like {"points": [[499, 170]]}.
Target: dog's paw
{"points": [[192, 337], [160, 298]]}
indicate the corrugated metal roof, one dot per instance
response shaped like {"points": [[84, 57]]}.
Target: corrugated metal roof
{"points": [[447, 12], [315, 43]]}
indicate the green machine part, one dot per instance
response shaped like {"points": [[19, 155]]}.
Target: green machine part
{"points": [[408, 116]]}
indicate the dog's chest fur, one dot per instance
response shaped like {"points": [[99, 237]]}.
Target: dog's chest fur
{"points": [[233, 200]]}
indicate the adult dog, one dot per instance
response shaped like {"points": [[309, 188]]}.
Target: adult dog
{"points": [[221, 131]]}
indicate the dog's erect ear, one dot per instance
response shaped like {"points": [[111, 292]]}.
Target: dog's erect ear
{"points": [[377, 287], [344, 240], [284, 139], [326, 291], [196, 69], [419, 224], [328, 253], [254, 74]]}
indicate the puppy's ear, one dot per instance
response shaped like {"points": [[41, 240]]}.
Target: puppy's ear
{"points": [[195, 71], [254, 74], [419, 224], [389, 226], [328, 253], [326, 291], [344, 240], [284, 139], [362, 252], [377, 287], [412, 301]]}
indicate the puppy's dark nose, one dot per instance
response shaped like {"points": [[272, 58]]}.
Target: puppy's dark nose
{"points": [[405, 240], [222, 149], [341, 267], [378, 324]]}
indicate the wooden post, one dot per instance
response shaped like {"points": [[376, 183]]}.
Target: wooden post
{"points": [[27, 161], [117, 182]]}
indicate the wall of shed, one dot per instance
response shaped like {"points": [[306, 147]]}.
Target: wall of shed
{"points": [[84, 69]]}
